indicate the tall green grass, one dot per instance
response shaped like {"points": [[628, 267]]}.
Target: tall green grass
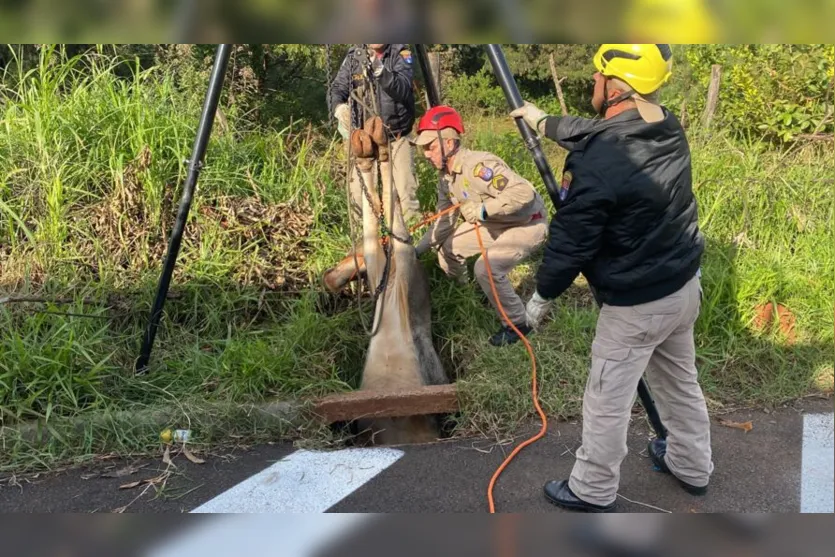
{"points": [[90, 170]]}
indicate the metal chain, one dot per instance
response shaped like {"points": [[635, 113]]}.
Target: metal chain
{"points": [[349, 198], [370, 103], [386, 247], [354, 100], [328, 80], [371, 92], [385, 228]]}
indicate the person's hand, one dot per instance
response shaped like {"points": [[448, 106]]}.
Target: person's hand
{"points": [[536, 309], [472, 211], [530, 114], [343, 119]]}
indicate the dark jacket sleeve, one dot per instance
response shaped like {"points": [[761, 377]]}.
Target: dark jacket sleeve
{"points": [[340, 85], [396, 77], [567, 130], [576, 231]]}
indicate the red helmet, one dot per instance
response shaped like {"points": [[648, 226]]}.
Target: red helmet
{"points": [[440, 117]]}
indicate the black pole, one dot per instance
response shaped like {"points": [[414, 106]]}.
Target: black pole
{"points": [[432, 88], [204, 130], [514, 99], [652, 411]]}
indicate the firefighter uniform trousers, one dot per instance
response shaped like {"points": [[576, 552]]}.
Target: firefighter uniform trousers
{"points": [[656, 337], [506, 246]]}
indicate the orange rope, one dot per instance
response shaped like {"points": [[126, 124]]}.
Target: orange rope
{"points": [[535, 392], [436, 216]]}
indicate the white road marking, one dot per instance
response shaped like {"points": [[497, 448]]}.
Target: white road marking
{"points": [[288, 535], [304, 482], [818, 464]]}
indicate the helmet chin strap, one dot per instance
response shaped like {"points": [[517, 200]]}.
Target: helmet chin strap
{"points": [[444, 155], [606, 104]]}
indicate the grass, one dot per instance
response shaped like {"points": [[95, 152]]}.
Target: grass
{"points": [[90, 170]]}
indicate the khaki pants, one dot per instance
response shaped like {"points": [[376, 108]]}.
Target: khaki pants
{"points": [[656, 337], [403, 174], [506, 247]]}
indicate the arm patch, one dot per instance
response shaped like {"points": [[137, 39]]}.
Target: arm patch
{"points": [[483, 172], [499, 182]]}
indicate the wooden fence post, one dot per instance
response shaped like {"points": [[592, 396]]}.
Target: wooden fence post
{"points": [[712, 95], [557, 81]]}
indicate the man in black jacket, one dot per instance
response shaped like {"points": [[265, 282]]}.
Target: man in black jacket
{"points": [[628, 221], [379, 75]]}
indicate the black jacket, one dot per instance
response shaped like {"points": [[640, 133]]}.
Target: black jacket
{"points": [[397, 97], [628, 219]]}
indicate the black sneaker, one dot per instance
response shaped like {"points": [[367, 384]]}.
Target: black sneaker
{"points": [[657, 449], [506, 335]]}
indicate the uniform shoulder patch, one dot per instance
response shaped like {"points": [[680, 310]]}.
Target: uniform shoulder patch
{"points": [[500, 181], [567, 176], [483, 172], [406, 55]]}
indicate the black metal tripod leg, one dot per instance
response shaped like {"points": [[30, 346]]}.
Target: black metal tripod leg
{"points": [[514, 99], [204, 132], [433, 90], [652, 411]]}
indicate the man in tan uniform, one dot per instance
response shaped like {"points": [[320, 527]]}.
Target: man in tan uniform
{"points": [[365, 70], [504, 205]]}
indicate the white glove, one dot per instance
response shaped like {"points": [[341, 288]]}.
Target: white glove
{"points": [[536, 309], [343, 118], [531, 115]]}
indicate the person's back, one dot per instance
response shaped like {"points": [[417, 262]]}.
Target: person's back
{"points": [[651, 245]]}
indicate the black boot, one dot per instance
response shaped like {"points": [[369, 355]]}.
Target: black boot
{"points": [[506, 335], [657, 449], [561, 495]]}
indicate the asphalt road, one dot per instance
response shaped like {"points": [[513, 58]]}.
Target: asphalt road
{"points": [[757, 472]]}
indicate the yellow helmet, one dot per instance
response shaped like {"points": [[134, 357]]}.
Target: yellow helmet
{"points": [[644, 67]]}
